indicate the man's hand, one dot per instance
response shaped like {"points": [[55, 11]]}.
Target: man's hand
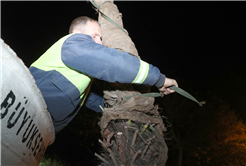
{"points": [[168, 82]]}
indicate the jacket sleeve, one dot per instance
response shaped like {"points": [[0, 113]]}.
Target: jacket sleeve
{"points": [[82, 54], [93, 101]]}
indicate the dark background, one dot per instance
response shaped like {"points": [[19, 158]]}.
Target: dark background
{"points": [[200, 42]]}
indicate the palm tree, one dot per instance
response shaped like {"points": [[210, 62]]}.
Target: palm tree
{"points": [[132, 130]]}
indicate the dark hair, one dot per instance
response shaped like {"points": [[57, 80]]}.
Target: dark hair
{"points": [[80, 22]]}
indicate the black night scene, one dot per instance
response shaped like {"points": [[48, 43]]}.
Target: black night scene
{"points": [[200, 44]]}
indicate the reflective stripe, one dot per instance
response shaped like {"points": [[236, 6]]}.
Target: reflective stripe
{"points": [[142, 73]]}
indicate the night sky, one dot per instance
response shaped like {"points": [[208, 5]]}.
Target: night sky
{"points": [[200, 42]]}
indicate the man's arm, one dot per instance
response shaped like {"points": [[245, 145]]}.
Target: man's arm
{"points": [[81, 53], [93, 101]]}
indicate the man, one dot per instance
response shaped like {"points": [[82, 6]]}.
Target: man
{"points": [[64, 73]]}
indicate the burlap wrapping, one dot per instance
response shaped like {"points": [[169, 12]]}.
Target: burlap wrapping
{"points": [[114, 37], [138, 109]]}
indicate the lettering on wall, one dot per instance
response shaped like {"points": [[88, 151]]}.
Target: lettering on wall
{"points": [[16, 111]]}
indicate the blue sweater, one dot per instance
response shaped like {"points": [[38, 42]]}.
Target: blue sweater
{"points": [[81, 53]]}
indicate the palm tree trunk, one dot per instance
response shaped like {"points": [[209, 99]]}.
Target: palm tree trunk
{"points": [[124, 141]]}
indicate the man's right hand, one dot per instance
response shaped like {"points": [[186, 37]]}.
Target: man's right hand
{"points": [[168, 82]]}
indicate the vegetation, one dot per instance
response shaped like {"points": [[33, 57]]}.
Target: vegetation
{"points": [[201, 136], [227, 141], [53, 161]]}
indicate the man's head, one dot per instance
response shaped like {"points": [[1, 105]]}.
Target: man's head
{"points": [[87, 26]]}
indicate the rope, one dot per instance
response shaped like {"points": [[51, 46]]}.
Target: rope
{"points": [[105, 16], [102, 4]]}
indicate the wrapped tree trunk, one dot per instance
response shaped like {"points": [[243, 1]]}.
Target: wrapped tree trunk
{"points": [[132, 130]]}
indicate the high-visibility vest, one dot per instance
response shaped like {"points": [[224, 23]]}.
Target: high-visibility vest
{"points": [[51, 60]]}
